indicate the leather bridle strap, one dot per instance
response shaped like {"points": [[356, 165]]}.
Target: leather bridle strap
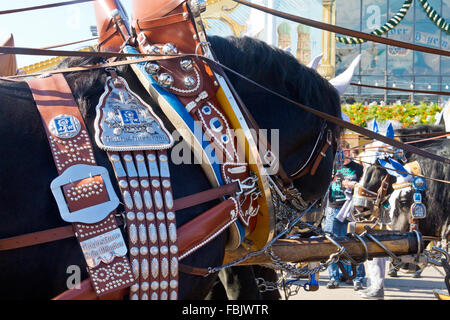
{"points": [[338, 121], [70, 145], [381, 194], [442, 93], [45, 6]]}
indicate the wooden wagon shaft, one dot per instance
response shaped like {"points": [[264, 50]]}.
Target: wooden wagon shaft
{"points": [[320, 249], [317, 249], [358, 227]]}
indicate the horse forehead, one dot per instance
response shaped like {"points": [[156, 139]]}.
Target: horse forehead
{"points": [[396, 194]]}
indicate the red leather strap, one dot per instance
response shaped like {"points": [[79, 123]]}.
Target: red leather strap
{"points": [[70, 145]]}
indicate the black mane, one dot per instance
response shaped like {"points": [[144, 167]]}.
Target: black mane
{"points": [[275, 69]]}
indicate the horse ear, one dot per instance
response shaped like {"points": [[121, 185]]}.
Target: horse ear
{"points": [[375, 126], [398, 166], [342, 81], [314, 63], [388, 166], [390, 131]]}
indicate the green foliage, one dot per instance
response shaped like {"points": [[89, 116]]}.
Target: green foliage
{"points": [[407, 114]]}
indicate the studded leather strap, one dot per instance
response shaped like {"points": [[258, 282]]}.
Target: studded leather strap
{"points": [[70, 146], [195, 87], [144, 181]]}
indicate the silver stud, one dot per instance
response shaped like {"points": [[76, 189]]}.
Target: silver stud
{"points": [[142, 233], [154, 251], [148, 199], [145, 285], [173, 284], [143, 250], [155, 183], [144, 270], [163, 250], [165, 80], [169, 199], [152, 233], [150, 216], [174, 266], [134, 287], [162, 232], [123, 184], [158, 199], [135, 267], [134, 251], [166, 183], [172, 232], [155, 285], [144, 183], [127, 199], [173, 249], [155, 267], [164, 296], [189, 82], [160, 215], [134, 183], [170, 215], [163, 285], [138, 200], [169, 48], [133, 233], [154, 50], [140, 216], [152, 68], [186, 64]]}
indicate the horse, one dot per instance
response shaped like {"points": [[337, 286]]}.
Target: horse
{"points": [[436, 196], [399, 201], [43, 271]]}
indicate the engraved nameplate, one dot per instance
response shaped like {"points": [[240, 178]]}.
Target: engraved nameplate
{"points": [[124, 122], [103, 248]]}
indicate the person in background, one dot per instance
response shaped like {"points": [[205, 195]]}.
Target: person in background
{"points": [[346, 175], [376, 269]]}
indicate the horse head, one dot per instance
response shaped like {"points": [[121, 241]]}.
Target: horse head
{"points": [[374, 185], [426, 185]]}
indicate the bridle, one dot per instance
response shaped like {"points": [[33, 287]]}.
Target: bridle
{"points": [[371, 200]]}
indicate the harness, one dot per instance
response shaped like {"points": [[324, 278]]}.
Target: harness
{"points": [[193, 97], [373, 201], [414, 219]]}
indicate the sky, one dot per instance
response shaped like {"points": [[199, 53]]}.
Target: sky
{"points": [[47, 27]]}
